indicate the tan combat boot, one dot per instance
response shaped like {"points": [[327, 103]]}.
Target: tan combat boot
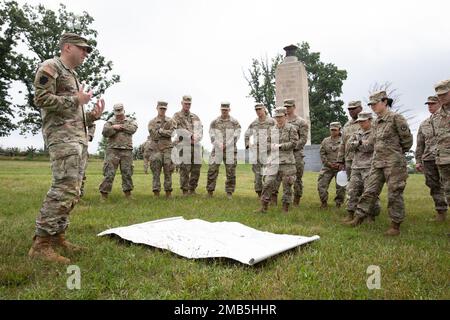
{"points": [[274, 200], [350, 216], [440, 216], [394, 230], [285, 207], [296, 201], [156, 193], [357, 220], [338, 205], [192, 192], [210, 194], [370, 219], [259, 194], [128, 195], [264, 207], [229, 196], [60, 240], [323, 205], [168, 194], [185, 193], [42, 249], [104, 196]]}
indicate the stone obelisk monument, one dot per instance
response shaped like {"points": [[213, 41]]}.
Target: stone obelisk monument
{"points": [[291, 82]]}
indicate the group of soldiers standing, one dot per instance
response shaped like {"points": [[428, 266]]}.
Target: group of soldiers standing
{"points": [[371, 151]]}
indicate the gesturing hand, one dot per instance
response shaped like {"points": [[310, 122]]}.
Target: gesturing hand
{"points": [[83, 97], [98, 109]]}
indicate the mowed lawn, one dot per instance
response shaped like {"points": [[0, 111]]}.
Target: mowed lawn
{"points": [[413, 266]]}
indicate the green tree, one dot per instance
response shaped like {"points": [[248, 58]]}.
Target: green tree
{"points": [[39, 29], [325, 82]]}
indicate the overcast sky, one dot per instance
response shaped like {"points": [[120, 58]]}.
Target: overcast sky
{"points": [[165, 49]]}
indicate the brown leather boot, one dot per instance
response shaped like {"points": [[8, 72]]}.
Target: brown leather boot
{"points": [[285, 207], [60, 240], [104, 196], [156, 193], [168, 194], [264, 207], [259, 194], [274, 200], [296, 201], [323, 205], [42, 249], [357, 220], [350, 216], [394, 230]]}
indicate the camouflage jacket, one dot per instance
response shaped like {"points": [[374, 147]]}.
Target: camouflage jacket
{"points": [[225, 131], [63, 119], [361, 145], [145, 147], [392, 138], [287, 138], [120, 139], [345, 154], [160, 131], [441, 123], [256, 128], [190, 124], [329, 149], [302, 127], [426, 142]]}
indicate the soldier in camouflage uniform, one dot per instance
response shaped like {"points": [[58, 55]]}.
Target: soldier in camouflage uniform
{"points": [[392, 138], [61, 99], [119, 151], [426, 157], [302, 130], [160, 130], [260, 131], [146, 153], [281, 163], [360, 145], [189, 134], [345, 156], [329, 149], [224, 133], [441, 123], [91, 132]]}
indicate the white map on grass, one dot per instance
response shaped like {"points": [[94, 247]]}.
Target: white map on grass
{"points": [[197, 238]]}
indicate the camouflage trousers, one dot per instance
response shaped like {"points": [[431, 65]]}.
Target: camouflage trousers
{"points": [[114, 158], [83, 167], [162, 160], [298, 184], [190, 172], [258, 182], [395, 178], [323, 183], [355, 188], [146, 158], [287, 175], [213, 173], [67, 165], [444, 174]]}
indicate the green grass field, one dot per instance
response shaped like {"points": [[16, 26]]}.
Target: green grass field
{"points": [[413, 266]]}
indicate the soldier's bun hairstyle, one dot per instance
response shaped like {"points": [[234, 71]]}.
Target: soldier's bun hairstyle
{"points": [[389, 101]]}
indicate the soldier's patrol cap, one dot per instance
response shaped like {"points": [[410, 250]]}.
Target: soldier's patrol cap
{"points": [[224, 105], [186, 99], [363, 116], [74, 39], [118, 108], [354, 104], [432, 100], [442, 87], [335, 125], [280, 111], [289, 103], [259, 105], [162, 104], [377, 97]]}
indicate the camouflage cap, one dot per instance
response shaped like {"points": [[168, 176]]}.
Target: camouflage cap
{"points": [[354, 104], [225, 105], [432, 100], [259, 105], [363, 116], [442, 87], [162, 104], [289, 103], [74, 39], [335, 125], [186, 99], [377, 97], [280, 111], [118, 109]]}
